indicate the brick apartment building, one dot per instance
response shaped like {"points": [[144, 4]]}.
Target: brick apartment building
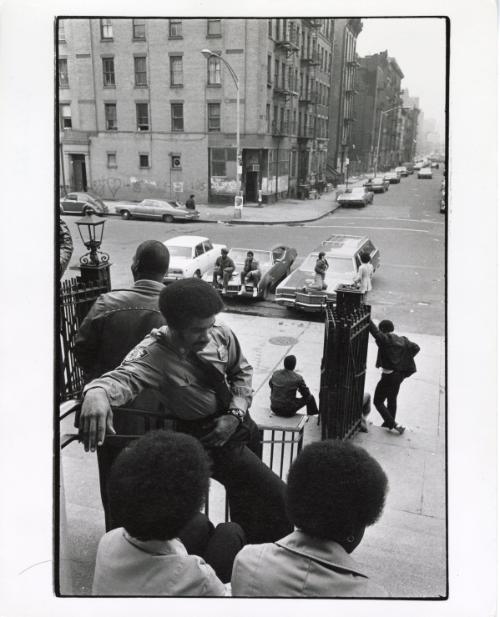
{"points": [[378, 85], [341, 110], [144, 114]]}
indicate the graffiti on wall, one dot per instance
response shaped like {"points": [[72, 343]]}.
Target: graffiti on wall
{"points": [[269, 185], [223, 185], [113, 187]]}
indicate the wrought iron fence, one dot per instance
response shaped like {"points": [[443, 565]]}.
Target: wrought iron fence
{"points": [[75, 300], [343, 367]]}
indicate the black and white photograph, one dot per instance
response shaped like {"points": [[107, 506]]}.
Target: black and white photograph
{"points": [[256, 383]]}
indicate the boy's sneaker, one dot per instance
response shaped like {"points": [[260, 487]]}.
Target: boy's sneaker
{"points": [[254, 292], [400, 429]]}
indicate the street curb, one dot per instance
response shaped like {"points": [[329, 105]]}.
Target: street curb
{"points": [[282, 222]]}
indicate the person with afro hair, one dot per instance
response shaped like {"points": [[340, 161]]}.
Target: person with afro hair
{"points": [[335, 490], [164, 545], [196, 364]]}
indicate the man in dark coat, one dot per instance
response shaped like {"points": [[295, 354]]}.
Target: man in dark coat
{"points": [[224, 268], [116, 323], [395, 358], [190, 205], [284, 384]]}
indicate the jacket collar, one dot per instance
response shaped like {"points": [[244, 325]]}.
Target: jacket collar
{"points": [[157, 547], [148, 284], [324, 551]]}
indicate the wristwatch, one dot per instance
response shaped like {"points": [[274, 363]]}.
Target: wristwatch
{"points": [[239, 414]]}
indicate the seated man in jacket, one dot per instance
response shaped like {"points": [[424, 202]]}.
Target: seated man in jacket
{"points": [[250, 273], [284, 385], [395, 358], [224, 268], [115, 324]]}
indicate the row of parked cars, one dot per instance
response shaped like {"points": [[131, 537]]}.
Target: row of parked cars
{"points": [[195, 256]]}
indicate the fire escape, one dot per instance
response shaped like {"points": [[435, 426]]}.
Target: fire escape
{"points": [[286, 46]]}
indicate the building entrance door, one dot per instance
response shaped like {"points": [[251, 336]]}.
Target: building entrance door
{"points": [[78, 173], [252, 186]]}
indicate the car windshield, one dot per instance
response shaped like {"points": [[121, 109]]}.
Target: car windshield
{"points": [[358, 190], [377, 180], [337, 265], [175, 204], [239, 256], [179, 251]]}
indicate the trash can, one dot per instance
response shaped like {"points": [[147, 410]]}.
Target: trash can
{"points": [[238, 206]]}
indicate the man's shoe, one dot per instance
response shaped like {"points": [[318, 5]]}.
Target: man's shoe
{"points": [[400, 429], [241, 291], [223, 292], [254, 293]]}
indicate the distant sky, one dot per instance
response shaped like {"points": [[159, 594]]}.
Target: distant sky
{"points": [[419, 47]]}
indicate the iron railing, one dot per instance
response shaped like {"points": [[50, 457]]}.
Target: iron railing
{"points": [[343, 367]]}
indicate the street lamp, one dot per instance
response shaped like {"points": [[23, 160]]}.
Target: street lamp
{"points": [[212, 54], [382, 114], [94, 265]]}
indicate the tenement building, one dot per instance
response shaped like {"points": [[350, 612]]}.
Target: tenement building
{"points": [[144, 113]]}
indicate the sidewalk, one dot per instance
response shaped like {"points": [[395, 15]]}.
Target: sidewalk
{"points": [[406, 550], [284, 211]]}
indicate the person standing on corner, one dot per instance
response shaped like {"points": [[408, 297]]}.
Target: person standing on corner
{"points": [[320, 269], [250, 274], [196, 365], [284, 384], [190, 205], [224, 268], [395, 358], [364, 276]]}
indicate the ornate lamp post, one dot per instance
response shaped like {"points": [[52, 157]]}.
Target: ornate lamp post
{"points": [[207, 53], [95, 264]]}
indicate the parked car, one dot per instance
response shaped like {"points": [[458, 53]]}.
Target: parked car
{"points": [[393, 177], [80, 203], [434, 165], [378, 184], [168, 211], [343, 255], [355, 196], [274, 264], [409, 167], [402, 171], [190, 256], [425, 172], [418, 165]]}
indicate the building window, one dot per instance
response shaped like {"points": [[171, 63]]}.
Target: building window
{"points": [[213, 117], [175, 161], [176, 78], [66, 122], [63, 73], [270, 27], [108, 72], [276, 73], [111, 160], [144, 161], [60, 31], [223, 162], [106, 30], [277, 25], [139, 29], [268, 118], [177, 113], [269, 69], [142, 114], [213, 71], [283, 75], [214, 27], [141, 77], [175, 28], [110, 115]]}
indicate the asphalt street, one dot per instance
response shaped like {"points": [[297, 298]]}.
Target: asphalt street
{"points": [[404, 223]]}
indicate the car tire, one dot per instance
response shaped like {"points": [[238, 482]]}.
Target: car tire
{"points": [[126, 215], [197, 275], [167, 218]]}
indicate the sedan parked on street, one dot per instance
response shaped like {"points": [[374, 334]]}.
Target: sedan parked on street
{"points": [[402, 171], [425, 172], [378, 184], [81, 203], [393, 177], [190, 256], [274, 265], [343, 254], [157, 209], [355, 196]]}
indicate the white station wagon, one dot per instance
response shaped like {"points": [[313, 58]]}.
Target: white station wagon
{"points": [[190, 256]]}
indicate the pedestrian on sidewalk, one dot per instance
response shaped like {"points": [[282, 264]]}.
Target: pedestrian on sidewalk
{"points": [[250, 273], [335, 490], [284, 384], [320, 269], [224, 268], [164, 545], [190, 205], [115, 324], [196, 365], [363, 278], [396, 359]]}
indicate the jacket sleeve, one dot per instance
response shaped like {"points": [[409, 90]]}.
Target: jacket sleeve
{"points": [[239, 375], [380, 337], [413, 348], [303, 389]]}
